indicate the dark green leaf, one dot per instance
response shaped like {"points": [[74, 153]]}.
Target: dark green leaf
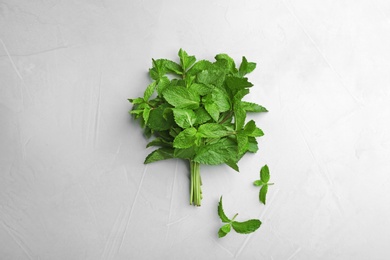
{"points": [[236, 83], [173, 67], [159, 142], [159, 154], [247, 226], [201, 116], [252, 145], [187, 153]]}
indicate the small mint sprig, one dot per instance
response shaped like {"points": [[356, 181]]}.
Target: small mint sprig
{"points": [[264, 183], [245, 227]]}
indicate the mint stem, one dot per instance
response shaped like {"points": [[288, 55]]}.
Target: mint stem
{"points": [[196, 182]]}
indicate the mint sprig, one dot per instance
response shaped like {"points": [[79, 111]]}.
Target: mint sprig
{"points": [[245, 227], [263, 183], [195, 111]]}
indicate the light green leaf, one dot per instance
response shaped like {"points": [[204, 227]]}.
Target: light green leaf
{"points": [[199, 66], [239, 116], [157, 121], [242, 142], [217, 153], [246, 67], [185, 60], [212, 130], [213, 110], [224, 230], [185, 138], [200, 89], [159, 154], [187, 153], [171, 66], [246, 227], [221, 99], [181, 97], [184, 118], [162, 84], [201, 116], [264, 174], [221, 213], [146, 114], [252, 145], [136, 101], [263, 193], [230, 62], [252, 107], [258, 183]]}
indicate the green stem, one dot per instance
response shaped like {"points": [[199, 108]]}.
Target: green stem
{"points": [[196, 182]]}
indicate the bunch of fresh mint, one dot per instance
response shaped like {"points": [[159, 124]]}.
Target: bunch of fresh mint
{"points": [[195, 110]]}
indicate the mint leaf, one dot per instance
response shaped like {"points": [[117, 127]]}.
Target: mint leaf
{"points": [[213, 110], [201, 116], [185, 60], [212, 130], [224, 230], [159, 154], [252, 107], [184, 117], [230, 62], [221, 213], [199, 66], [263, 193], [246, 227], [246, 67], [159, 142], [264, 174], [181, 97], [216, 153], [186, 138], [157, 121]]}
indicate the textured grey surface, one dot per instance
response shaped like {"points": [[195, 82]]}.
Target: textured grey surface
{"points": [[72, 180]]}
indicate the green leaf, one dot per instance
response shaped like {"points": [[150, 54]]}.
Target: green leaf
{"points": [[221, 213], [213, 76], [239, 115], [246, 67], [146, 114], [149, 90], [159, 142], [173, 67], [251, 129], [162, 84], [157, 121], [185, 60], [181, 97], [184, 118], [217, 153], [242, 142], [185, 138], [233, 164], [247, 226], [252, 145], [221, 99], [200, 89], [252, 107], [230, 62], [159, 154], [187, 153], [213, 110], [199, 66], [224, 230], [236, 83], [136, 101], [263, 193], [201, 116], [258, 183], [212, 130], [264, 174]]}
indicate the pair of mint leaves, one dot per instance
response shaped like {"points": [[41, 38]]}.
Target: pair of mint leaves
{"points": [[251, 225]]}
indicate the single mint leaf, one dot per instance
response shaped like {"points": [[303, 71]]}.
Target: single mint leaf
{"points": [[242, 142], [185, 60], [187, 153], [185, 138], [230, 62], [224, 230], [235, 83], [239, 115], [246, 67], [246, 227], [157, 121], [200, 89], [217, 153], [221, 99], [212, 130], [213, 76], [263, 193], [252, 145], [252, 107], [159, 154], [264, 174], [159, 142], [199, 66], [233, 164], [251, 129], [221, 213], [258, 183], [173, 67], [201, 116], [136, 101], [181, 97], [213, 110], [184, 118], [162, 84], [146, 113]]}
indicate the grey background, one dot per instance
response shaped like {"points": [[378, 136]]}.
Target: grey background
{"points": [[72, 180]]}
